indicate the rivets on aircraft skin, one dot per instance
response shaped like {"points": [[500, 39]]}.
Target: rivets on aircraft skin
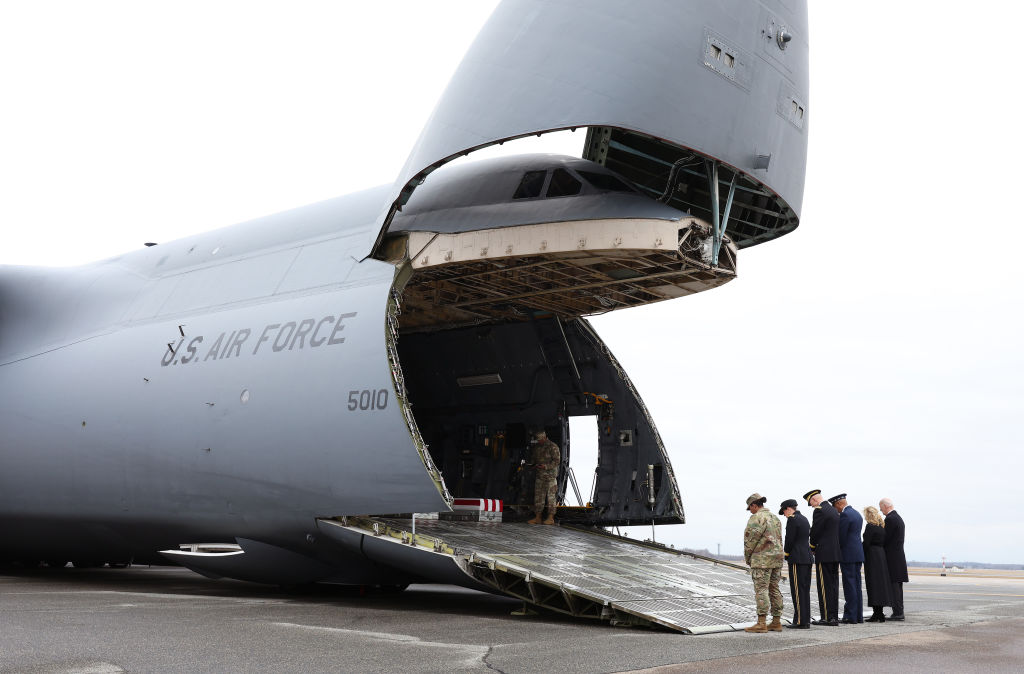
{"points": [[245, 396], [210, 404], [83, 424], [783, 38]]}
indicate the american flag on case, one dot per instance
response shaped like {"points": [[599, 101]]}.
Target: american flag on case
{"points": [[475, 509]]}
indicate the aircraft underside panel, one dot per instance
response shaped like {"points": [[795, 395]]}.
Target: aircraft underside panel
{"points": [[583, 573]]}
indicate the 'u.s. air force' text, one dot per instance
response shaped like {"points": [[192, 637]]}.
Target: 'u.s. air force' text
{"points": [[308, 333]]}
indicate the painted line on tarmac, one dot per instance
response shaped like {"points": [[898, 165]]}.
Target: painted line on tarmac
{"points": [[98, 668], [474, 654]]}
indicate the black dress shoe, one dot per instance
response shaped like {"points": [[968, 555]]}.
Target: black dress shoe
{"points": [[798, 627], [897, 618], [847, 621], [826, 623]]}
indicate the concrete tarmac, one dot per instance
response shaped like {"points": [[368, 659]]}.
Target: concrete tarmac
{"points": [[164, 619]]}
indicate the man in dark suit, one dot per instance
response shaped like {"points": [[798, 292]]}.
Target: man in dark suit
{"points": [[824, 539], [851, 559], [798, 556], [895, 557]]}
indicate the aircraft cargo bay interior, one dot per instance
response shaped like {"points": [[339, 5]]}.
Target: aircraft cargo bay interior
{"points": [[476, 417]]}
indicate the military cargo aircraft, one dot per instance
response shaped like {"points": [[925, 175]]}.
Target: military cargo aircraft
{"points": [[277, 400]]}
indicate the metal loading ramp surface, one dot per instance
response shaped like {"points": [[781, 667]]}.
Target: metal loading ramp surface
{"points": [[583, 573]]}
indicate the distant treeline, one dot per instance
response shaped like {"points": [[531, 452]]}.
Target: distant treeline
{"points": [[707, 553], [968, 565], [921, 565]]}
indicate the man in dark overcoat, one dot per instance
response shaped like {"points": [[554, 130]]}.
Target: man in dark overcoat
{"points": [[824, 539], [798, 557], [895, 557], [851, 559]]}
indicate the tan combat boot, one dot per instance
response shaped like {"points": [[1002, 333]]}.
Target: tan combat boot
{"points": [[759, 627], [776, 625], [535, 520], [551, 518]]}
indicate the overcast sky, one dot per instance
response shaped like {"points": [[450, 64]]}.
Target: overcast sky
{"points": [[875, 351]]}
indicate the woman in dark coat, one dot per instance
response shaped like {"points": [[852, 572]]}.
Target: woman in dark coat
{"points": [[876, 570]]}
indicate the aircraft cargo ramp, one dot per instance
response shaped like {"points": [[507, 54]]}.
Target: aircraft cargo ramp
{"points": [[579, 572]]}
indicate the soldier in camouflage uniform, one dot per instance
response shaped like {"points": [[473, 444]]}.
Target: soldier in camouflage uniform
{"points": [[762, 548], [546, 458]]}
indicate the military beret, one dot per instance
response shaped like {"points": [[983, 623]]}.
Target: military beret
{"points": [[837, 498], [756, 498], [788, 503], [808, 495]]}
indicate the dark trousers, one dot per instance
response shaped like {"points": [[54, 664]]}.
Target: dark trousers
{"points": [[800, 590], [897, 598], [828, 590], [853, 609]]}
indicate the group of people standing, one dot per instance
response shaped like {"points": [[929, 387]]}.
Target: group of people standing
{"points": [[832, 543]]}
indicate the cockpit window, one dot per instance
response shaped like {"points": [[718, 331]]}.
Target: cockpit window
{"points": [[603, 181], [530, 185], [563, 184]]}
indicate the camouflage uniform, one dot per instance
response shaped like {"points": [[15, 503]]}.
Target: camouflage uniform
{"points": [[546, 454], [762, 549]]}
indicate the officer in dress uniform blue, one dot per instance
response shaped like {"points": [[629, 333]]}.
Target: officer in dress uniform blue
{"points": [[851, 559]]}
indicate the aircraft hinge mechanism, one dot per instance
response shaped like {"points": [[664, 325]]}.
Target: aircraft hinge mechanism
{"points": [[719, 218]]}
